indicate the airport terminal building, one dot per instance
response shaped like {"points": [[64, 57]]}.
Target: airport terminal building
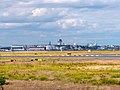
{"points": [[60, 46]]}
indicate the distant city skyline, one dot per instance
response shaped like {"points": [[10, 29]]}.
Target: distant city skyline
{"points": [[74, 21]]}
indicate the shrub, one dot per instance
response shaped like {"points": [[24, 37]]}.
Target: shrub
{"points": [[2, 80]]}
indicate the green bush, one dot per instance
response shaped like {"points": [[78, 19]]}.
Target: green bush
{"points": [[2, 80]]}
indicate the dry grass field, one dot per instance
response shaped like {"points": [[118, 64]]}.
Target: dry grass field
{"points": [[53, 85], [49, 75], [56, 53], [58, 73]]}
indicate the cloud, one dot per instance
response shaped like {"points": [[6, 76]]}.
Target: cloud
{"points": [[9, 25], [68, 18], [94, 25], [60, 1], [5, 14], [39, 12], [67, 23]]}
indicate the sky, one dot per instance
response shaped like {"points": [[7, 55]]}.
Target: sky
{"points": [[74, 21]]}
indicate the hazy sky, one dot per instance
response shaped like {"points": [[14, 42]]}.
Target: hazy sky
{"points": [[75, 21]]}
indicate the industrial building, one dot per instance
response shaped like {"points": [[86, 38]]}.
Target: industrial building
{"points": [[60, 46]]}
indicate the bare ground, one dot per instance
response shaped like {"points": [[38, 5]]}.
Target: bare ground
{"points": [[52, 85]]}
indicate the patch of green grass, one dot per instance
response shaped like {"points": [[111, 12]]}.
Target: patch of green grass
{"points": [[82, 78], [109, 81], [115, 76], [32, 77], [105, 81], [59, 77], [43, 77]]}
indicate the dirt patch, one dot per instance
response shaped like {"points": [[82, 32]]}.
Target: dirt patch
{"points": [[52, 85], [103, 67]]}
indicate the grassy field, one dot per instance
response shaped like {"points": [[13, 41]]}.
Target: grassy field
{"points": [[69, 71], [89, 72], [56, 53]]}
